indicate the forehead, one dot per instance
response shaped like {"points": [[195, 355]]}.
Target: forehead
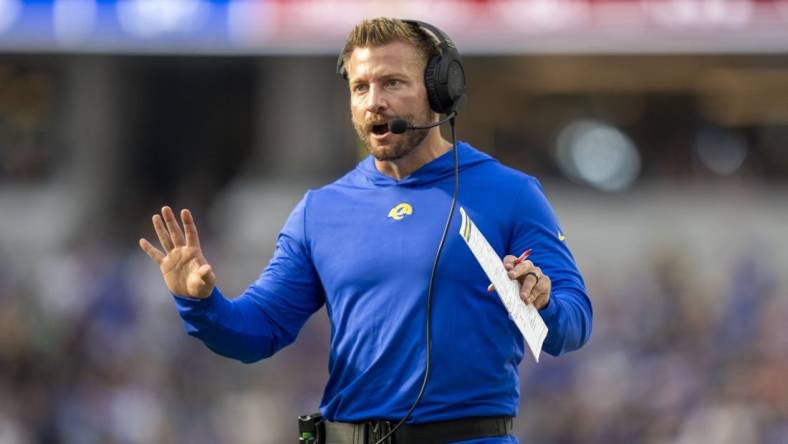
{"points": [[393, 58]]}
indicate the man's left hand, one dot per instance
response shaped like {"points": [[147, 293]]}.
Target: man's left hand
{"points": [[534, 285]]}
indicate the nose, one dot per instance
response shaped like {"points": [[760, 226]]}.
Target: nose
{"points": [[376, 102]]}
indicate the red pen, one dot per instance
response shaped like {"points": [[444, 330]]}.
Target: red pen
{"points": [[517, 261]]}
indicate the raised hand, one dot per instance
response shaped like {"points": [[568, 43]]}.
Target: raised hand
{"points": [[182, 264]]}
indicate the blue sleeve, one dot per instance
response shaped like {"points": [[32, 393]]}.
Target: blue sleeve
{"points": [[270, 313], [568, 314]]}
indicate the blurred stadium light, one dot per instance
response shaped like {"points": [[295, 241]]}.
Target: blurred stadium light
{"points": [[73, 21], [720, 150], [9, 12], [597, 154], [318, 26]]}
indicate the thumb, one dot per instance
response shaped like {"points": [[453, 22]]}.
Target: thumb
{"points": [[207, 275]]}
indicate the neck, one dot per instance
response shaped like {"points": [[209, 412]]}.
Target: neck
{"points": [[432, 147]]}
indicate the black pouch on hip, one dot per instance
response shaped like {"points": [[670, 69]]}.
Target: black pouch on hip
{"points": [[311, 429]]}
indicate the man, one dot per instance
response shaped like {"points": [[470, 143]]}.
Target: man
{"points": [[364, 247]]}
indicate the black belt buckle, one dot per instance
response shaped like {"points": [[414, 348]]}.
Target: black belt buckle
{"points": [[377, 430]]}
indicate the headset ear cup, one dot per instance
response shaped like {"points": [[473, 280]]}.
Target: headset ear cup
{"points": [[432, 83], [455, 84]]}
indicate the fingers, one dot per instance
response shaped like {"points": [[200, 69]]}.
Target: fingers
{"points": [[151, 251], [529, 277], [190, 228], [518, 271], [535, 285], [525, 272], [162, 233], [169, 232], [172, 226]]}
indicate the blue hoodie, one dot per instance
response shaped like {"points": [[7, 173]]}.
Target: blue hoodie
{"points": [[346, 246]]}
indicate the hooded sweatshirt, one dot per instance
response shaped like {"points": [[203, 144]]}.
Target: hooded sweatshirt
{"points": [[364, 246]]}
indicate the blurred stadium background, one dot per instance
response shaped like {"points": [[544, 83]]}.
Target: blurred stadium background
{"points": [[658, 128]]}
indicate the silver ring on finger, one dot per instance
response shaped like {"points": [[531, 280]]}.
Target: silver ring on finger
{"points": [[531, 273]]}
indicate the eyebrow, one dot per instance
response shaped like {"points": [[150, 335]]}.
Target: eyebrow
{"points": [[387, 76]]}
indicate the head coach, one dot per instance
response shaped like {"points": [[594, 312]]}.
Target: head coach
{"points": [[420, 351]]}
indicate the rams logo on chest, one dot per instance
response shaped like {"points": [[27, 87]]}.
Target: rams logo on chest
{"points": [[400, 211]]}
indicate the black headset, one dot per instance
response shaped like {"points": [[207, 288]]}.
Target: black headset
{"points": [[444, 76]]}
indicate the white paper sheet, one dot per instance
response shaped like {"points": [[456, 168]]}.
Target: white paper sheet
{"points": [[526, 317]]}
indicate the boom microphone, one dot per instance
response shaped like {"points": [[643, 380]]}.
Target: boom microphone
{"points": [[399, 126]]}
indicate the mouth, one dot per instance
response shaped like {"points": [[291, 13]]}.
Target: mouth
{"points": [[380, 130]]}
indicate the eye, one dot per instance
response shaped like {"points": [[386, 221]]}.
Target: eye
{"points": [[360, 88], [392, 83]]}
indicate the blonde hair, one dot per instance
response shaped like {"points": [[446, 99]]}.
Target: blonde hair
{"points": [[382, 31]]}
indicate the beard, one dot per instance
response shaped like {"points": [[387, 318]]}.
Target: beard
{"points": [[403, 145]]}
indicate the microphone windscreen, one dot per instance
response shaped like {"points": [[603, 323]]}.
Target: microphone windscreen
{"points": [[398, 126]]}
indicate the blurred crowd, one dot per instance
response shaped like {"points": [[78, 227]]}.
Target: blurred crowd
{"points": [[672, 360], [92, 351]]}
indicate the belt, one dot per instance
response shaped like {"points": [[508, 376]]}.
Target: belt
{"points": [[441, 432]]}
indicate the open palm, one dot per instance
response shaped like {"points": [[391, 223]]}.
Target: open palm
{"points": [[182, 264]]}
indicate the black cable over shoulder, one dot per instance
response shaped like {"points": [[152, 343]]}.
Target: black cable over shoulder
{"points": [[432, 282]]}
